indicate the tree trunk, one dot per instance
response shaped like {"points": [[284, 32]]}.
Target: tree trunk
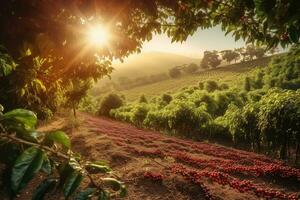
{"points": [[283, 149], [74, 110]]}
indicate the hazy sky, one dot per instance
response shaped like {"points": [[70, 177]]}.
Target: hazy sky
{"points": [[211, 39]]}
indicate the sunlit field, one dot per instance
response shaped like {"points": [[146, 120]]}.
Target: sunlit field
{"points": [[231, 75], [149, 100]]}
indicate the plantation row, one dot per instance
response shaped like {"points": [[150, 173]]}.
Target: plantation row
{"points": [[222, 168], [262, 114]]}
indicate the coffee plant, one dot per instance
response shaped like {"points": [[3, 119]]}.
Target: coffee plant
{"points": [[49, 154]]}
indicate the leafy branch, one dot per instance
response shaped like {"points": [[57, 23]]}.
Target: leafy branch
{"points": [[50, 153]]}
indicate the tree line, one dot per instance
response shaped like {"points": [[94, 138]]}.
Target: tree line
{"points": [[212, 59]]}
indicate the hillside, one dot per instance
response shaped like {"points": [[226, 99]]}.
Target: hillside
{"points": [[229, 74], [160, 167], [149, 63]]}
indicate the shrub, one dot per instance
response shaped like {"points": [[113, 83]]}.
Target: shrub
{"points": [[110, 101], [201, 85], [223, 86], [191, 68], [139, 113], [44, 113], [166, 98], [211, 86], [247, 84], [175, 72], [143, 99]]}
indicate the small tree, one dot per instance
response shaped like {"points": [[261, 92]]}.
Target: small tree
{"points": [[211, 86], [110, 101], [76, 93], [259, 52], [143, 99], [175, 72], [191, 68], [166, 98], [242, 52], [229, 55], [210, 59]]}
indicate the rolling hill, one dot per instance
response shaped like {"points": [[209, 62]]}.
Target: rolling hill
{"points": [[149, 63]]}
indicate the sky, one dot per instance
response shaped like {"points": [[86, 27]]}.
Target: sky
{"points": [[210, 39]]}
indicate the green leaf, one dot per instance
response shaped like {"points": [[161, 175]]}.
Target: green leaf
{"points": [[47, 166], [86, 194], [1, 108], [31, 136], [45, 187], [25, 167], [294, 34], [25, 117], [71, 184], [104, 195], [123, 192], [98, 168], [59, 137], [113, 183]]}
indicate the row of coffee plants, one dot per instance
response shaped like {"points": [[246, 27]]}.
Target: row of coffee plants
{"points": [[242, 186], [33, 153], [257, 116], [222, 171]]}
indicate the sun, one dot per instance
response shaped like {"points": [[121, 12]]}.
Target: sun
{"points": [[98, 36]]}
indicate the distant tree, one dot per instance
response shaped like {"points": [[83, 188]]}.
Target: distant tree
{"points": [[175, 72], [191, 68], [143, 99], [210, 59], [250, 52], [229, 55], [236, 56], [259, 52], [242, 52]]}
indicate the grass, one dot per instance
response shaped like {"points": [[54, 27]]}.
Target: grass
{"points": [[230, 74]]}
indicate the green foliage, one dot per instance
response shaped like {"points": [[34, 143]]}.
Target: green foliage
{"points": [[7, 64], [284, 71], [191, 68], [78, 90], [210, 60], [279, 119], [247, 86], [143, 99], [110, 101], [47, 153], [25, 167], [166, 98], [201, 85], [230, 55], [211, 86]]}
